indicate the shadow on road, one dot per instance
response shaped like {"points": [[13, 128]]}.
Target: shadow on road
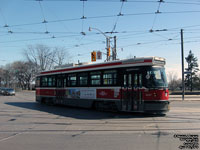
{"points": [[77, 113]]}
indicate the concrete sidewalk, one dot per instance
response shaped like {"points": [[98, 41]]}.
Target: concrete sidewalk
{"points": [[186, 97]]}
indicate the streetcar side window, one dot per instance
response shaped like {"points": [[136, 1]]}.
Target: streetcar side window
{"points": [[44, 81], [83, 79], [95, 78], [72, 79], [51, 81], [110, 77]]}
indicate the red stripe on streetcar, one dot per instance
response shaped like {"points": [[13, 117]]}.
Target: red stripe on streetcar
{"points": [[85, 67], [148, 60], [96, 66]]}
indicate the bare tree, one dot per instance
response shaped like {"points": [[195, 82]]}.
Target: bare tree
{"points": [[61, 56], [41, 56], [6, 76], [22, 72], [44, 57], [17, 74]]}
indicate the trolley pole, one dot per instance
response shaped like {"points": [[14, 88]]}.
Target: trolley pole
{"points": [[182, 57]]}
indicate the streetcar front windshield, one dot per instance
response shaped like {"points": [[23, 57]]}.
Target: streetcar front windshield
{"points": [[156, 77]]}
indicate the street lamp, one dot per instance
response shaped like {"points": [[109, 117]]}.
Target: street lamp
{"points": [[107, 41], [90, 29]]}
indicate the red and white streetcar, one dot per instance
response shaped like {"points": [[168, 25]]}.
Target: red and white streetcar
{"points": [[132, 85]]}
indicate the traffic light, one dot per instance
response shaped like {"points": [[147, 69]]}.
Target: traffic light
{"points": [[108, 51], [93, 56]]}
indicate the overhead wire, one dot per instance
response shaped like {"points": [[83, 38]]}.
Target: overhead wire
{"points": [[67, 36], [83, 16], [174, 39], [3, 17], [122, 32], [5, 22], [58, 18], [143, 43], [184, 2], [120, 14], [157, 34], [156, 13], [34, 39], [183, 27], [40, 33], [98, 17], [44, 19]]}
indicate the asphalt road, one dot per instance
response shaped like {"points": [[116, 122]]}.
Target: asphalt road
{"points": [[26, 125]]}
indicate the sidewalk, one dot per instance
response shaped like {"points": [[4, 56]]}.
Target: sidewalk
{"points": [[186, 97]]}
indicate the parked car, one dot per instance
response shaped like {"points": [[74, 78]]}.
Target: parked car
{"points": [[7, 91], [1, 90]]}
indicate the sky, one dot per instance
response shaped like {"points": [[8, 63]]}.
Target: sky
{"points": [[60, 23]]}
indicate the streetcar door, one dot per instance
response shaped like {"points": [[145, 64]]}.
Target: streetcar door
{"points": [[137, 91], [59, 90], [131, 93]]}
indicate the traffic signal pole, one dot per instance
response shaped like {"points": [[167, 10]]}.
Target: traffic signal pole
{"points": [[114, 52]]}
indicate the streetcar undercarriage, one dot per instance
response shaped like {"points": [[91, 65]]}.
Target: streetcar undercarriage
{"points": [[151, 107]]}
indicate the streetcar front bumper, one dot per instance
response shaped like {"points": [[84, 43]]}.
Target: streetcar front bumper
{"points": [[160, 107]]}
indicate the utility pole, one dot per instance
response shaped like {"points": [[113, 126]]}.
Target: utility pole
{"points": [[107, 42], [114, 51], [182, 57]]}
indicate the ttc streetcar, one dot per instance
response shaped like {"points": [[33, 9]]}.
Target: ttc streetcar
{"points": [[132, 85]]}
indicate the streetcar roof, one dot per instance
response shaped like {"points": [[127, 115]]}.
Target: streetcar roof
{"points": [[133, 62]]}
